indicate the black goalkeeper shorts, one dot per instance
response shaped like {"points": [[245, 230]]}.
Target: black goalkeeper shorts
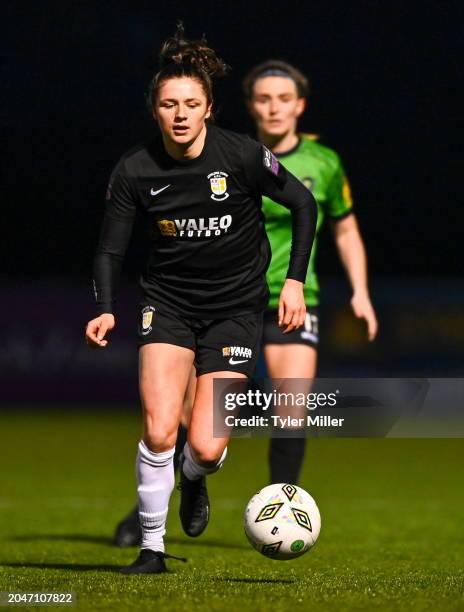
{"points": [[230, 344]]}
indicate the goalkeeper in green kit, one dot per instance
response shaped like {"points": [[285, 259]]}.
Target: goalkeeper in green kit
{"points": [[276, 94]]}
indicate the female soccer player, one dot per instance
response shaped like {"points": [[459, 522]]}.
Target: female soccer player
{"points": [[204, 289], [276, 94]]}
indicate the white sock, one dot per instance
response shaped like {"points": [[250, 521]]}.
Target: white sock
{"points": [[155, 480], [193, 470]]}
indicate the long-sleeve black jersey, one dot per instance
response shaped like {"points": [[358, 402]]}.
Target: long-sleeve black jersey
{"points": [[209, 250]]}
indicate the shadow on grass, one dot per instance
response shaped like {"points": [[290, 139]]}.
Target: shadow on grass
{"points": [[186, 541], [93, 539], [78, 567], [258, 580], [63, 537]]}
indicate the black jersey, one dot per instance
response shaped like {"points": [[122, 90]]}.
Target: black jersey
{"points": [[209, 250]]}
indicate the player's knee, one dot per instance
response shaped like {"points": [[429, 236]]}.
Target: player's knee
{"points": [[159, 441], [160, 433], [209, 457]]}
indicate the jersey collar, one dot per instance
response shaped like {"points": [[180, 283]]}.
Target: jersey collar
{"points": [[290, 151], [171, 162]]}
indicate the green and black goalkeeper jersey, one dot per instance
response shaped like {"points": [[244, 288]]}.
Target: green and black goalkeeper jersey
{"points": [[320, 170], [209, 250]]}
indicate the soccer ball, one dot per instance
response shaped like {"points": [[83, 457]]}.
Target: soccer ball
{"points": [[282, 521]]}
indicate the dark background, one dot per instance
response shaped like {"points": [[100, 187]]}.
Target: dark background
{"points": [[386, 84], [385, 80]]}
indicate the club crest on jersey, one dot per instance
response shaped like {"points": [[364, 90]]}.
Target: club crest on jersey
{"points": [[218, 183], [147, 319]]}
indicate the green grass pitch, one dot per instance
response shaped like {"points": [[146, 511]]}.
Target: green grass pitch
{"points": [[392, 522]]}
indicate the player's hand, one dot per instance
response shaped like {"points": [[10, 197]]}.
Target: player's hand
{"points": [[292, 308], [363, 309], [97, 329]]}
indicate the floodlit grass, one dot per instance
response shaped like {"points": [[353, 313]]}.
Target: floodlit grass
{"points": [[392, 523]]}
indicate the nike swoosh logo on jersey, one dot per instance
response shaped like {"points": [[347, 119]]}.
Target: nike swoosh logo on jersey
{"points": [[153, 192], [233, 362]]}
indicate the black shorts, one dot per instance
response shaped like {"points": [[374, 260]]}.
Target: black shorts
{"points": [[308, 335], [231, 344]]}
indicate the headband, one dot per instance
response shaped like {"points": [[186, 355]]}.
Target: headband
{"points": [[274, 72]]}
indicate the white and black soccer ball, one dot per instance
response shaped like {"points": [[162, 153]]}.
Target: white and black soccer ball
{"points": [[282, 521]]}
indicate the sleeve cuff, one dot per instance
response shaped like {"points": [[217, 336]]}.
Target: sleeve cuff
{"points": [[342, 216]]}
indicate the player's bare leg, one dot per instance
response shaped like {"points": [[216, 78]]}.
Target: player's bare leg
{"points": [[164, 373], [289, 361], [203, 455], [128, 532]]}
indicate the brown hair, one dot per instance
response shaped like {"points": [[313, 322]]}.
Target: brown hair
{"points": [[275, 68], [180, 57]]}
